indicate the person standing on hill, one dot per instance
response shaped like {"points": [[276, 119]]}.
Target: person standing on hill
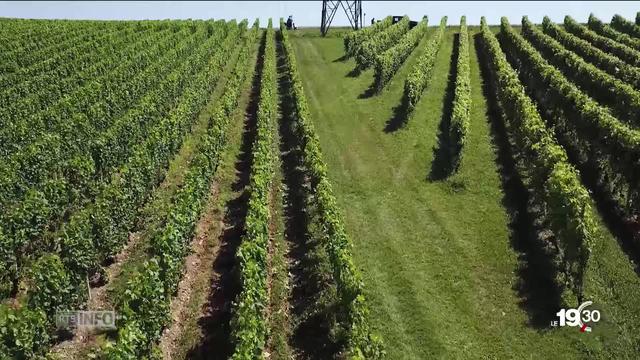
{"points": [[290, 24]]}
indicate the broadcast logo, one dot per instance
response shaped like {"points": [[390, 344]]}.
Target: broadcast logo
{"points": [[100, 320], [580, 317]]}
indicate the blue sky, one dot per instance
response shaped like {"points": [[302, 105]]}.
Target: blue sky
{"points": [[307, 13]]}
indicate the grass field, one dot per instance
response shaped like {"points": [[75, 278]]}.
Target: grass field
{"points": [[445, 271]]}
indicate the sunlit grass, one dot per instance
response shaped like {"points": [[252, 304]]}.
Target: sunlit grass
{"points": [[436, 256]]}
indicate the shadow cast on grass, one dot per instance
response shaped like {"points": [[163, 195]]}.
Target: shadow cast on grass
{"points": [[626, 230], [441, 166], [354, 73], [215, 322], [369, 92], [538, 293], [399, 117], [342, 58]]}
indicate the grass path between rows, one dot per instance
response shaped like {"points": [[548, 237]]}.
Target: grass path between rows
{"points": [[440, 270]]}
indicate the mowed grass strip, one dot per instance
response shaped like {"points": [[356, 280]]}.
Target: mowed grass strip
{"points": [[436, 256]]}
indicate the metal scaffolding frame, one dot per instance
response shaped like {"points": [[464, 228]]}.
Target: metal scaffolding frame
{"points": [[353, 10]]}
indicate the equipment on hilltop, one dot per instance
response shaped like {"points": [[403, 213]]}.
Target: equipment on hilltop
{"points": [[397, 18], [353, 10]]}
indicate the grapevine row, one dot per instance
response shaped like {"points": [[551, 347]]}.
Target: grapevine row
{"points": [[388, 63], [588, 120], [621, 97], [459, 125], [603, 29], [64, 120], [143, 318], [623, 25], [114, 212], [32, 35], [115, 208], [41, 204], [46, 206], [599, 58], [361, 341], [40, 91], [57, 62], [354, 39], [18, 60], [18, 83], [624, 52], [367, 51], [106, 89], [248, 324], [422, 71], [545, 168]]}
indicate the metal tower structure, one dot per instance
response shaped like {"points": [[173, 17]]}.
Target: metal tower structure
{"points": [[353, 10]]}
